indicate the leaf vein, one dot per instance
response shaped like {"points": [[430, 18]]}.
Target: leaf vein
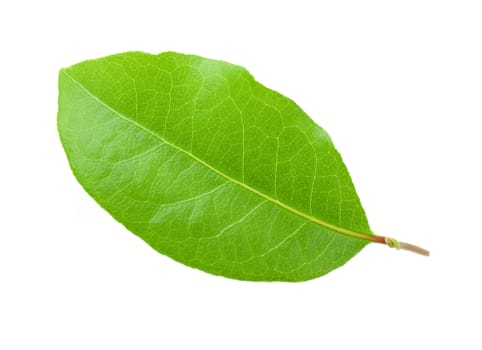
{"points": [[359, 235]]}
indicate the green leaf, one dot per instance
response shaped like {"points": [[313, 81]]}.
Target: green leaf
{"points": [[210, 167]]}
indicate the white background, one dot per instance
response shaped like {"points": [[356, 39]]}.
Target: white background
{"points": [[397, 84]]}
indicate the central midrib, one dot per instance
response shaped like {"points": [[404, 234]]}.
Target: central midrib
{"points": [[313, 219]]}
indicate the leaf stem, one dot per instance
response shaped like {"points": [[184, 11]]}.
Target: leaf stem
{"points": [[393, 243]]}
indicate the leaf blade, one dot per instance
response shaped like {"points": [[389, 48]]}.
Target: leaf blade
{"points": [[292, 249]]}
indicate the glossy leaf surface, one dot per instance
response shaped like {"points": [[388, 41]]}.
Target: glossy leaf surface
{"points": [[208, 166]]}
